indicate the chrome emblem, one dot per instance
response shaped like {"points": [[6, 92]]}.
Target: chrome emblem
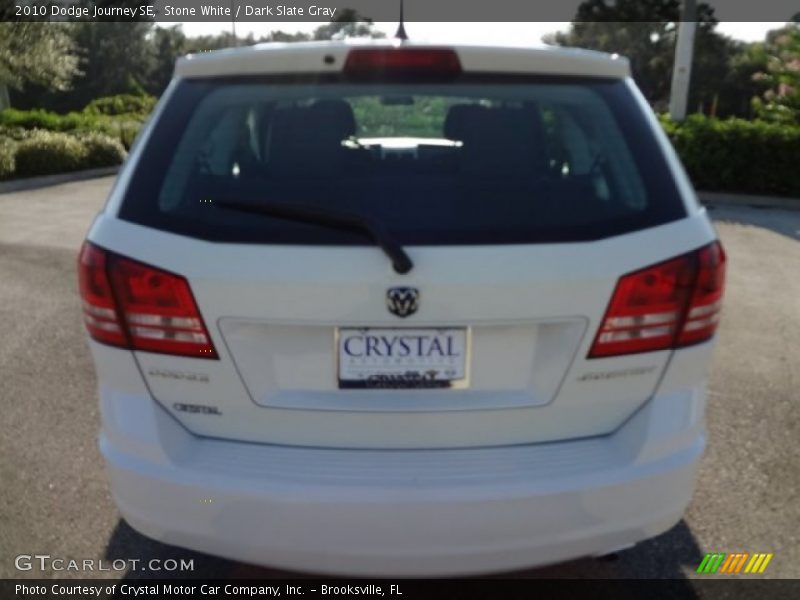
{"points": [[402, 301]]}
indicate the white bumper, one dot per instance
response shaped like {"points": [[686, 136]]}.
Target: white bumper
{"points": [[401, 512]]}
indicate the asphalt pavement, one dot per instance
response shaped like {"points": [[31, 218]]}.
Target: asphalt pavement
{"points": [[54, 497]]}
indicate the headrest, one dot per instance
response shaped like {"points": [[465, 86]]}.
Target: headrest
{"points": [[511, 126], [334, 116], [307, 141], [280, 128], [507, 141], [458, 119]]}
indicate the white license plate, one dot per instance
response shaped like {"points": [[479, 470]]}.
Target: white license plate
{"points": [[402, 358]]}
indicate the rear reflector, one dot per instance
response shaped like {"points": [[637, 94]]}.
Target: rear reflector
{"points": [[671, 304], [133, 305], [371, 61]]}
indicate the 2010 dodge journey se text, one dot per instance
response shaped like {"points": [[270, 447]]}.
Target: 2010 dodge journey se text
{"points": [[398, 309]]}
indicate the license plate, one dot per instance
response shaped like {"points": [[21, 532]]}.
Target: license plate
{"points": [[402, 358]]}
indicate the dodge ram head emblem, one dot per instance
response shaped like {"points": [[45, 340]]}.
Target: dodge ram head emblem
{"points": [[402, 301]]}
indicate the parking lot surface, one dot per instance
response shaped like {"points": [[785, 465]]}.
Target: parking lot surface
{"points": [[54, 498]]}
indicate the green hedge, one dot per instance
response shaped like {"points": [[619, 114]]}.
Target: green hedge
{"points": [[102, 151], [48, 152], [734, 155], [14, 134], [42, 119], [7, 159], [119, 117], [123, 127], [123, 104]]}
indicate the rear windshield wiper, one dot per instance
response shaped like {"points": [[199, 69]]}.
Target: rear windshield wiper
{"points": [[326, 217]]}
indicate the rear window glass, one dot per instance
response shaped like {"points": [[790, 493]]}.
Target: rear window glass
{"points": [[475, 161]]}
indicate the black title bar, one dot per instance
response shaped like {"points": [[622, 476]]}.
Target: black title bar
{"points": [[399, 589], [171, 11]]}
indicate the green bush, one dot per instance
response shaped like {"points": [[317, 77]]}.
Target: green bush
{"points": [[123, 127], [123, 104], [49, 152], [7, 158], [16, 134], [102, 151], [740, 156], [120, 129], [42, 119]]}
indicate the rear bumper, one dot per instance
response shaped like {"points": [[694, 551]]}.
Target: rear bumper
{"points": [[403, 512], [423, 531]]}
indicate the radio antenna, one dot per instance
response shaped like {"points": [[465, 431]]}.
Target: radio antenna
{"points": [[401, 28]]}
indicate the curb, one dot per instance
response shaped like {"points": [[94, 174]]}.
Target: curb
{"points": [[32, 183], [726, 199]]}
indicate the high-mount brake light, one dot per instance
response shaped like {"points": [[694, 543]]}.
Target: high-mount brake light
{"points": [[133, 305], [674, 303], [411, 61]]}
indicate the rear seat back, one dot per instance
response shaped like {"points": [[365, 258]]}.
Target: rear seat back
{"points": [[307, 141], [458, 119], [503, 142]]}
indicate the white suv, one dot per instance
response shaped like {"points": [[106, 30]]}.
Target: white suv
{"points": [[398, 309]]}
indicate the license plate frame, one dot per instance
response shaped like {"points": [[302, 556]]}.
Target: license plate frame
{"points": [[438, 370]]}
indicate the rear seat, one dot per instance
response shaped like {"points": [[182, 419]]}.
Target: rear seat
{"points": [[503, 158], [501, 142], [307, 142]]}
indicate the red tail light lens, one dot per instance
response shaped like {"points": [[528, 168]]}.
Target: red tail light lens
{"points": [[674, 303], [369, 61], [702, 315], [99, 311], [157, 308]]}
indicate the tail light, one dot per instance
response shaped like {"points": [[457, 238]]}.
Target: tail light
{"points": [[99, 311], [668, 305], [702, 314], [410, 61], [132, 305]]}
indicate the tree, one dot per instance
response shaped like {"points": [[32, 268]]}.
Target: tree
{"points": [[282, 36], [781, 101], [167, 44], [35, 53], [741, 84], [136, 57], [349, 24], [645, 31], [206, 43], [113, 57], [116, 58]]}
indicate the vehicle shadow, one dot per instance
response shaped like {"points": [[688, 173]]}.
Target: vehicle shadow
{"points": [[663, 557], [667, 556], [784, 222], [127, 543]]}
